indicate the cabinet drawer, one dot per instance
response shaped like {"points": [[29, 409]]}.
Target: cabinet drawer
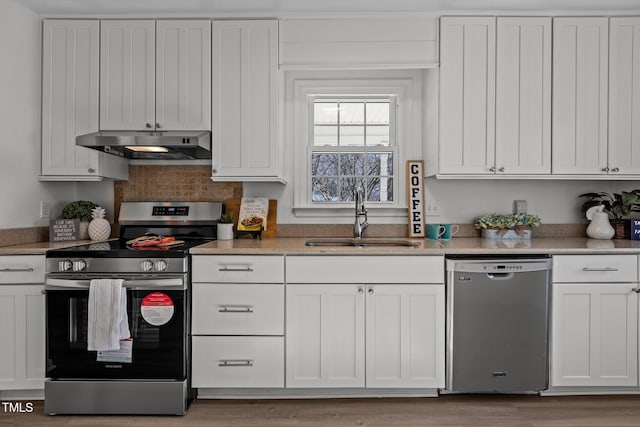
{"points": [[238, 362], [238, 309], [238, 269], [595, 268], [21, 269], [365, 269]]}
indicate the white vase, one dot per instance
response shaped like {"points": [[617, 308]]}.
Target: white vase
{"points": [[225, 231], [600, 227]]}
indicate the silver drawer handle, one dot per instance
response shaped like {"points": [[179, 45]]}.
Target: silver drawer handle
{"points": [[235, 363], [235, 269], [599, 269], [15, 270], [235, 309]]}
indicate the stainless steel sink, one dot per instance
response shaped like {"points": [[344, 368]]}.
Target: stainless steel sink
{"points": [[361, 242]]}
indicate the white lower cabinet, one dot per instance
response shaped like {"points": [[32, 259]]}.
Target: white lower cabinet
{"points": [[238, 322], [372, 335], [594, 334], [22, 323]]}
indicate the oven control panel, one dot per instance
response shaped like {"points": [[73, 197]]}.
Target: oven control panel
{"points": [[117, 265], [68, 265], [153, 265]]}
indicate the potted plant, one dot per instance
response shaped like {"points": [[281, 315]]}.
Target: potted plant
{"points": [[506, 226], [618, 206], [225, 227], [81, 210]]}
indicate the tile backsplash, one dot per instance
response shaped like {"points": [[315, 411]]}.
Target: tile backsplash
{"points": [[172, 183]]}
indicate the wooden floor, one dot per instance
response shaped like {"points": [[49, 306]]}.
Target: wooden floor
{"points": [[477, 411]]}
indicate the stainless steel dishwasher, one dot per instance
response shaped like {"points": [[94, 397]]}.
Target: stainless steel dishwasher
{"points": [[497, 324]]}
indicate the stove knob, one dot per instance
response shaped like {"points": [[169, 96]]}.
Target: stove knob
{"points": [[65, 265], [160, 265], [146, 265], [79, 265]]}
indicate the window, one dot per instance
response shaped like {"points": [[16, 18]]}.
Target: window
{"points": [[352, 146]]}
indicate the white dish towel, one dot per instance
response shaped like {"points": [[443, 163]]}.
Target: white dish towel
{"points": [[107, 317]]}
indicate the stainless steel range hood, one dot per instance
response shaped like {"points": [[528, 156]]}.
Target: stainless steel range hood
{"points": [[145, 145]]}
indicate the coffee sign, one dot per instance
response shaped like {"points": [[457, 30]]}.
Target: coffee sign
{"points": [[415, 190], [61, 230]]}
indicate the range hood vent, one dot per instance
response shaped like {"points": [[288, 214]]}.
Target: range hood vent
{"points": [[144, 145]]}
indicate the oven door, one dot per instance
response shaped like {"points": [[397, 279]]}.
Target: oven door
{"points": [[159, 345]]}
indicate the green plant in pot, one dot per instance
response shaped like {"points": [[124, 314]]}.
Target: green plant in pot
{"points": [[225, 227], [618, 206], [81, 210]]}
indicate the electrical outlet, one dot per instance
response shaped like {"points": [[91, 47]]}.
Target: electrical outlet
{"points": [[433, 208], [520, 206], [45, 209]]}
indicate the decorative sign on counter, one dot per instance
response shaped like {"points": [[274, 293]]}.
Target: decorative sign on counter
{"points": [[415, 190], [635, 229], [62, 230]]}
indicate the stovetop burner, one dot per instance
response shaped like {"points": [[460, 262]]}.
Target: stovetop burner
{"points": [[120, 249]]}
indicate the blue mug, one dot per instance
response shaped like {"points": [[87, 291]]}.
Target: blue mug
{"points": [[435, 231]]}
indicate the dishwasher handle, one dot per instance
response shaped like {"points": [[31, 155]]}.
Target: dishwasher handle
{"points": [[500, 276]]}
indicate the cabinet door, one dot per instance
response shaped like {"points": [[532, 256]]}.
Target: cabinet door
{"points": [[325, 336], [580, 69], [69, 96], [245, 64], [127, 75], [594, 335], [183, 75], [405, 336], [22, 355], [467, 95], [624, 96], [523, 96]]}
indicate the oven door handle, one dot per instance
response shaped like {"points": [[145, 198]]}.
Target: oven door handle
{"points": [[176, 283]]}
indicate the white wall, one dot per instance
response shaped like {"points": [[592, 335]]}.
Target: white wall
{"points": [[20, 106]]}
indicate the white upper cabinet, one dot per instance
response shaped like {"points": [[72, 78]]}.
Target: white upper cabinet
{"points": [[245, 101], [624, 96], [155, 75], [183, 75], [495, 96], [467, 95], [580, 78], [127, 75], [523, 95], [70, 58]]}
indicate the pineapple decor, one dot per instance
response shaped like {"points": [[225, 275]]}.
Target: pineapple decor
{"points": [[99, 227]]}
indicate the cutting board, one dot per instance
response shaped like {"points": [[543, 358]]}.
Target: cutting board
{"points": [[232, 206]]}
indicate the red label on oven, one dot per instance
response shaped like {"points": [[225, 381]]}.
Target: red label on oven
{"points": [[157, 308]]}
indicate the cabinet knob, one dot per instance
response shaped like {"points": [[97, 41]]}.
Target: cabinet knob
{"points": [[360, 290], [370, 291], [157, 125], [148, 126], [605, 169], [501, 169], [91, 170], [636, 290], [214, 171], [615, 170], [492, 169]]}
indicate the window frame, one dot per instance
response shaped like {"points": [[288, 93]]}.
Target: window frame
{"points": [[406, 85], [392, 147]]}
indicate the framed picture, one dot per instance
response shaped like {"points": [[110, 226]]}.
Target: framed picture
{"points": [[415, 194]]}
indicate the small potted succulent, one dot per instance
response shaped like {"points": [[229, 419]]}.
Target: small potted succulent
{"points": [[618, 206], [81, 210], [225, 227], [506, 226]]}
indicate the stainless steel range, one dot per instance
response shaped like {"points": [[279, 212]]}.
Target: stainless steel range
{"points": [[149, 372]]}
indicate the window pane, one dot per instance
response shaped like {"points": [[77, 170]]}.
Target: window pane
{"points": [[325, 113], [380, 164], [378, 135], [378, 113], [325, 135], [324, 164], [352, 113], [389, 188], [352, 164], [373, 189], [352, 136], [379, 189], [348, 188], [324, 190]]}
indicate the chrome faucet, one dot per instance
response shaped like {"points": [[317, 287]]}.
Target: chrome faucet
{"points": [[361, 212]]}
